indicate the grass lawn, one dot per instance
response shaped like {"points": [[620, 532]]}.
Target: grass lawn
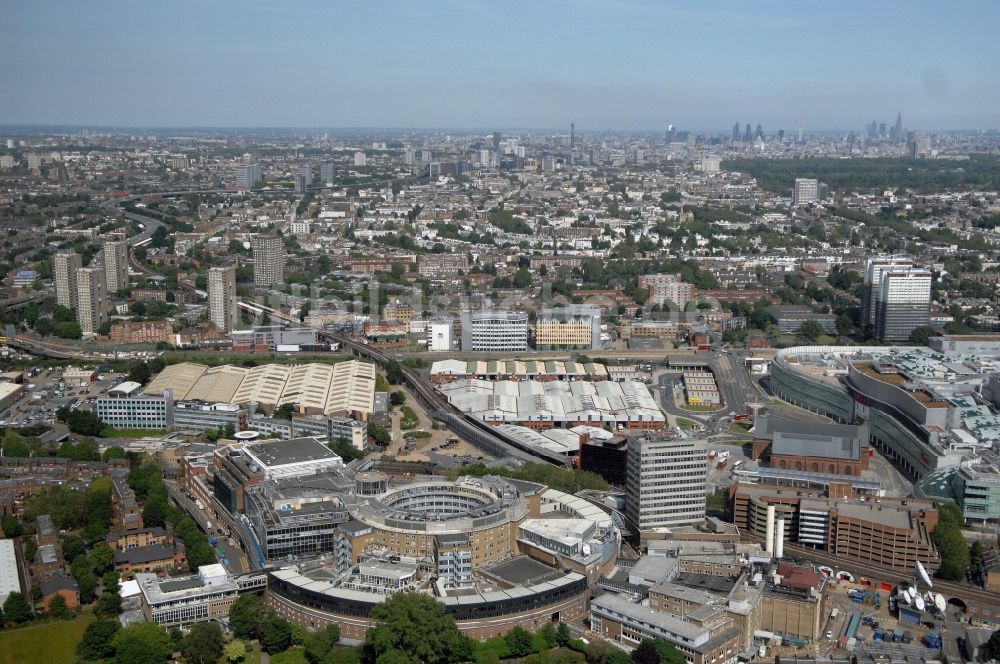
{"points": [[111, 432], [292, 656], [685, 423], [50, 642], [739, 427], [701, 409]]}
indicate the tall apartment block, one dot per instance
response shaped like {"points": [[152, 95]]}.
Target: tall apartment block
{"points": [[247, 177], [306, 173], [92, 299], [327, 172], [874, 267], [667, 288], [575, 326], [495, 331], [806, 191], [904, 303], [268, 260], [64, 269], [116, 265], [222, 297], [665, 482]]}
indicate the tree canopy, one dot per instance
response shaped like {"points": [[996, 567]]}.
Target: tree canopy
{"points": [[417, 626]]}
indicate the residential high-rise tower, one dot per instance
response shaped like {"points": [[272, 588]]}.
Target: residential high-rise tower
{"points": [[64, 268], [222, 297], [268, 260], [92, 299]]}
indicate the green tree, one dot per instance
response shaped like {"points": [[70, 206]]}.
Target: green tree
{"points": [[669, 654], [993, 645], [519, 642], [277, 634], [110, 602], [563, 634], [951, 545], [102, 558], [417, 625], [57, 607], [394, 372], [549, 635], [285, 411], [318, 644], [646, 653], [13, 444], [113, 452], [142, 643], [73, 547], [235, 651], [16, 608], [921, 335], [96, 641], [203, 643], [810, 330], [68, 330], [246, 615], [11, 526]]}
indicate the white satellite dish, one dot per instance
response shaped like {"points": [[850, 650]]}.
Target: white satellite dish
{"points": [[924, 575]]}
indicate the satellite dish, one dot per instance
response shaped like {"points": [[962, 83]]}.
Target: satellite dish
{"points": [[924, 575]]}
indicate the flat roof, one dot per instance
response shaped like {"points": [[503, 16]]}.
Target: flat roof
{"points": [[522, 570], [273, 453], [9, 580]]}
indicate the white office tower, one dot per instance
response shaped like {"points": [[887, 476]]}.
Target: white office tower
{"points": [[360, 159], [495, 331], [904, 303], [268, 260], [116, 265], [439, 335], [92, 299], [222, 297], [874, 268], [806, 191], [665, 482], [247, 177], [64, 268]]}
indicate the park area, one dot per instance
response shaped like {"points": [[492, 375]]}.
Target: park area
{"points": [[49, 642]]}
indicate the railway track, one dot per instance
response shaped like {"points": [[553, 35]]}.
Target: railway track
{"points": [[883, 573]]}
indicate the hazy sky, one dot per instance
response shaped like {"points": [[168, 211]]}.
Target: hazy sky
{"points": [[629, 64]]}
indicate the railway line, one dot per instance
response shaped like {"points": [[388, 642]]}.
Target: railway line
{"points": [[884, 573], [477, 433]]}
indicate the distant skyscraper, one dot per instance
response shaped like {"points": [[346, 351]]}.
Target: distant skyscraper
{"points": [[360, 159], [34, 161], [806, 191], [759, 133], [671, 134], [64, 268], [409, 157], [116, 265], [572, 137], [247, 177], [268, 260], [871, 282], [736, 131], [222, 297], [92, 299], [326, 173], [306, 173], [919, 145], [904, 303], [898, 136], [881, 129], [496, 141], [748, 134], [300, 184], [800, 134], [781, 134]]}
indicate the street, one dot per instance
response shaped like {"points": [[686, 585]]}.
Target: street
{"points": [[237, 559]]}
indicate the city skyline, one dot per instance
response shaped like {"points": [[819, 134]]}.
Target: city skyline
{"points": [[465, 65]]}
